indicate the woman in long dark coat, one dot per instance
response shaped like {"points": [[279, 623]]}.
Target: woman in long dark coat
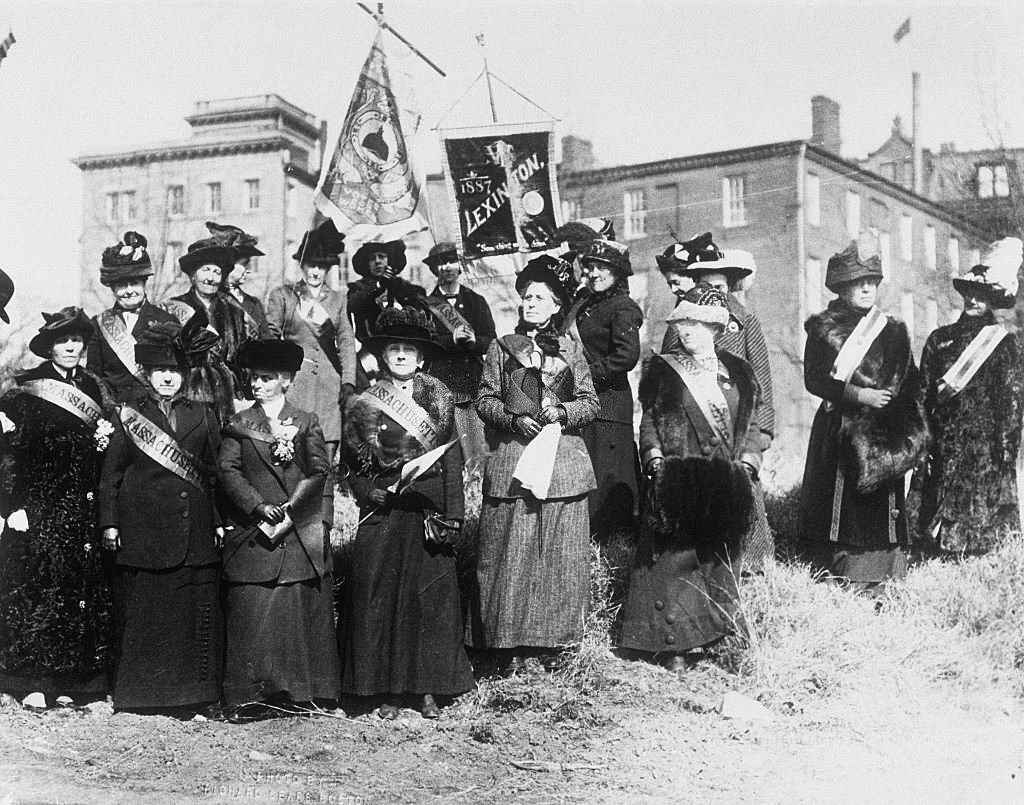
{"points": [[608, 324], [400, 630], [55, 608], [159, 520], [969, 497], [700, 443], [533, 557], [852, 503]]}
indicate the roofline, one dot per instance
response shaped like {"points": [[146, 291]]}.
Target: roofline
{"points": [[300, 125], [181, 150], [899, 137]]}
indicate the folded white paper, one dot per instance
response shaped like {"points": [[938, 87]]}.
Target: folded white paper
{"points": [[537, 462]]}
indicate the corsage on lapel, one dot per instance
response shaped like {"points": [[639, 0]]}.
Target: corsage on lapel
{"points": [[102, 434], [284, 432]]}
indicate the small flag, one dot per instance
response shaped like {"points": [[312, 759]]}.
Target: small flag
{"points": [[5, 45], [369, 188], [902, 31]]}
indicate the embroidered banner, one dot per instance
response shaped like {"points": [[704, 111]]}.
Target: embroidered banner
{"points": [[706, 393], [502, 187], [970, 361], [405, 411], [160, 446], [447, 314], [857, 344], [120, 341], [65, 396]]}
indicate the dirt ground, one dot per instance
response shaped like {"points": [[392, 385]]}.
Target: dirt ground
{"points": [[642, 734]]}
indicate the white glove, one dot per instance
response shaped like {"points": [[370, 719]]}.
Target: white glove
{"points": [[18, 521]]}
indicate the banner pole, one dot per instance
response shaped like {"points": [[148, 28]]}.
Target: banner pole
{"points": [[487, 74], [379, 17]]}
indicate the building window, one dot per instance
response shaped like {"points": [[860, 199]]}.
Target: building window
{"points": [[812, 199], [213, 197], [907, 237], [993, 181], [128, 208], [885, 250], [570, 209], [176, 199], [879, 215], [852, 214], [813, 285], [171, 255], [113, 208], [734, 205], [634, 214], [953, 249], [252, 194], [929, 246]]}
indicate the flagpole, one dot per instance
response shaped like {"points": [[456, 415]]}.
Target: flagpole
{"points": [[487, 74], [384, 26]]}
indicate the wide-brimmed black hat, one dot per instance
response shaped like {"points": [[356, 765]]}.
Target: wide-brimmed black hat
{"points": [[207, 251], [678, 257], [850, 265], [6, 292], [271, 354], [553, 272], [403, 324], [66, 321], [321, 246], [236, 238], [996, 275], [126, 260], [158, 345], [443, 252], [394, 249]]}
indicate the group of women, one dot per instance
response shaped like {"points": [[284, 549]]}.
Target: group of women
{"points": [[212, 529]]}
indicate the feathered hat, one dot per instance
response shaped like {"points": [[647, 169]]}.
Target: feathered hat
{"points": [[243, 244], [678, 257], [553, 272], [706, 304], [577, 234], [321, 246], [858, 260], [66, 321], [394, 249], [613, 254], [126, 260], [403, 324], [996, 274]]}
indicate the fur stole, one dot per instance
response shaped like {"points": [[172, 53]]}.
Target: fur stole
{"points": [[879, 445], [378, 441]]}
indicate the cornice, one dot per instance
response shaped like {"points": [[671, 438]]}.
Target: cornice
{"points": [[183, 151]]}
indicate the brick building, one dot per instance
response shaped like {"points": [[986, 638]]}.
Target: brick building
{"points": [[248, 161], [792, 204]]}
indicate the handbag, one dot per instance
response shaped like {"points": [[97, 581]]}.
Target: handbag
{"points": [[438, 530]]}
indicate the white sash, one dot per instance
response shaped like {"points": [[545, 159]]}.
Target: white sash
{"points": [[971, 360], [857, 344], [182, 311], [405, 411], [447, 314], [707, 395], [119, 339], [160, 446], [66, 396]]}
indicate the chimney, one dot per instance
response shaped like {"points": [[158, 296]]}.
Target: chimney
{"points": [[825, 124], [577, 155]]}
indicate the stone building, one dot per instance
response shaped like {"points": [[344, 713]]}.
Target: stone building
{"points": [[792, 204], [250, 161]]}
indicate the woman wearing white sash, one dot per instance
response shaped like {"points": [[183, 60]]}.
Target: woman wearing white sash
{"points": [[973, 386], [55, 608], [533, 556], [157, 518], [867, 434], [701, 445]]}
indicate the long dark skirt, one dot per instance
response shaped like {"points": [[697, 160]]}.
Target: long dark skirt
{"points": [[533, 573], [280, 641], [401, 621], [613, 452], [170, 637]]}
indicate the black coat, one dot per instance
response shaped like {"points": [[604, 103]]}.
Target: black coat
{"points": [[463, 363], [102, 361], [163, 520]]}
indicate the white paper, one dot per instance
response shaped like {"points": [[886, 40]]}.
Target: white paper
{"points": [[537, 462], [415, 467]]}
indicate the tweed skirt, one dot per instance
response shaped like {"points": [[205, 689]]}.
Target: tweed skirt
{"points": [[533, 573]]}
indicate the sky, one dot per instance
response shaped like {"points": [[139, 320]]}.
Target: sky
{"points": [[641, 80]]}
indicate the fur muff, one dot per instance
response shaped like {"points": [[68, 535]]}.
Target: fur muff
{"points": [[702, 502], [879, 445]]}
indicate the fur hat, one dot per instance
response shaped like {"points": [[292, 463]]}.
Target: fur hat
{"points": [[613, 254], [394, 249], [321, 246], [158, 345], [403, 324], [66, 321], [704, 303], [207, 251], [444, 252], [996, 274], [858, 260], [6, 292], [126, 260], [556, 274], [235, 238], [679, 256], [272, 354]]}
